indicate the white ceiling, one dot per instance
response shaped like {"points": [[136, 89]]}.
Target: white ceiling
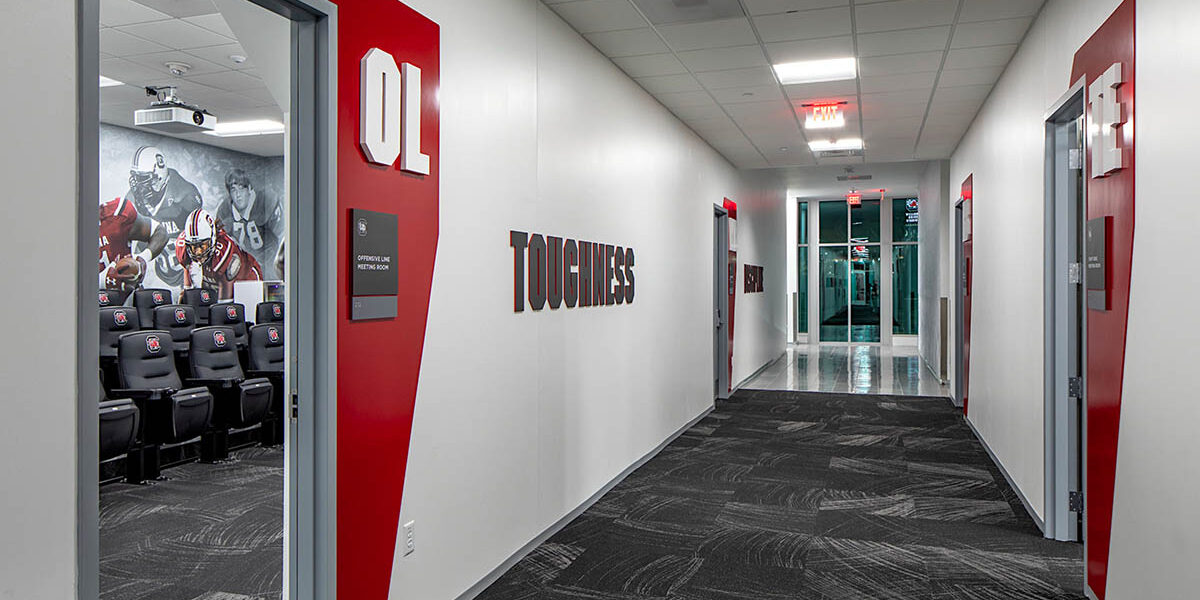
{"points": [[900, 179], [138, 38], [925, 68]]}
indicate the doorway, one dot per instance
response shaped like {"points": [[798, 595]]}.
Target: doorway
{"points": [[722, 292], [1065, 317], [850, 266], [244, 276]]}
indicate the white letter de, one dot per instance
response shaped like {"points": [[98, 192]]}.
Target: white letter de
{"points": [[379, 107]]}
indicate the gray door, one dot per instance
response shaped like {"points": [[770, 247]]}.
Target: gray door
{"points": [[720, 303]]}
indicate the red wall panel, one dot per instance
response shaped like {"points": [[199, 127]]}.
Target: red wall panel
{"points": [[1111, 196], [379, 361]]}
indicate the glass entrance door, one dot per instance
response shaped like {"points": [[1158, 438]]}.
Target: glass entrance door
{"points": [[850, 272]]}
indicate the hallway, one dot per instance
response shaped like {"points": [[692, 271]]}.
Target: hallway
{"points": [[799, 495], [853, 368]]}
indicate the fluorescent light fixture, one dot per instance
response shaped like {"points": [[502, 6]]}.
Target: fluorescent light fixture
{"points": [[816, 71], [832, 145], [241, 128], [109, 82]]}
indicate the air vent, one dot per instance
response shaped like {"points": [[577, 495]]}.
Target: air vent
{"points": [[662, 12], [854, 177], [839, 154]]}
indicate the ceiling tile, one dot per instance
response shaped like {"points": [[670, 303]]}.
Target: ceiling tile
{"points": [[893, 127], [699, 111], [683, 99], [127, 12], [176, 34], [627, 42], [990, 33], [220, 55], [664, 12], [230, 81], [987, 10], [711, 34], [754, 76], [649, 65], [972, 58], [900, 63], [118, 43], [904, 14], [768, 7], [829, 90], [747, 94], [761, 112], [976, 76], [828, 22], [942, 106], [181, 8], [720, 59], [876, 109], [927, 39], [157, 62], [905, 81], [797, 50], [962, 93], [591, 16], [669, 83], [214, 23], [129, 72]]}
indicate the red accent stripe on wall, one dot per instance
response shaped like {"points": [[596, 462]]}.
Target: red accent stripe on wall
{"points": [[1111, 196], [379, 361]]}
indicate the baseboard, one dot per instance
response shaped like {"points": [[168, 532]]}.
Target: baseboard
{"points": [[1041, 525], [511, 561], [935, 372], [758, 372]]}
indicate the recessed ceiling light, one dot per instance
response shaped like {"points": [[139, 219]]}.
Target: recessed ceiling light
{"points": [[241, 128], [109, 82], [237, 58], [830, 145], [816, 71], [783, 148]]}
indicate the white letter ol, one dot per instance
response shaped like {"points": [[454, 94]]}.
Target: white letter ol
{"points": [[390, 112], [1107, 116]]}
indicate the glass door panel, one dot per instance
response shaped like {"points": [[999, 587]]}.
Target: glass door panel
{"points": [[802, 293], [835, 275], [904, 289], [864, 223], [864, 293]]}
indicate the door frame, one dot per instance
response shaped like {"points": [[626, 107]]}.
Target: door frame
{"points": [[310, 532], [1065, 428], [721, 290], [960, 289]]}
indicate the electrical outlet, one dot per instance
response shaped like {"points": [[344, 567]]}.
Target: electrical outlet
{"points": [[410, 539]]}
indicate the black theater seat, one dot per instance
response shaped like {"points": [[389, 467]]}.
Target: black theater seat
{"points": [[112, 297], [240, 403], [179, 320], [115, 321], [119, 420], [199, 299], [233, 316], [268, 312], [146, 300], [266, 359], [171, 414]]}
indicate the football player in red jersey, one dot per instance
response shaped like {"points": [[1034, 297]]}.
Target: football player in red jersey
{"points": [[120, 226], [211, 258]]}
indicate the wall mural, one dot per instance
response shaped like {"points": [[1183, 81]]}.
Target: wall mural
{"points": [[150, 233]]}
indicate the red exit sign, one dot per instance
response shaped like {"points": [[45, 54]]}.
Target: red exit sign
{"points": [[854, 199]]}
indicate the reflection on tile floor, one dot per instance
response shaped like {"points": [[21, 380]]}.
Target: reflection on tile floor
{"points": [[855, 369]]}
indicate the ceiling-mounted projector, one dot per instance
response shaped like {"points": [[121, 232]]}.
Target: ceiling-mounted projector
{"points": [[168, 114]]}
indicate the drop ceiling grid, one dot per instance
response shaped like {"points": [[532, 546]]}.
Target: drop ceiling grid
{"points": [[952, 50]]}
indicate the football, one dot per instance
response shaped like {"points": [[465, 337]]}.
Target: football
{"points": [[126, 273]]}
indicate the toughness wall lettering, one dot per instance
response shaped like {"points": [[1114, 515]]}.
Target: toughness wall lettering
{"points": [[557, 271]]}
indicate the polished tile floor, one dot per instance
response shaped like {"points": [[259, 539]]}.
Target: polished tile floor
{"points": [[853, 369]]}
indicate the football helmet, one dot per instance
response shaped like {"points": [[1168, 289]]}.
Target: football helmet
{"points": [[148, 174], [200, 235]]}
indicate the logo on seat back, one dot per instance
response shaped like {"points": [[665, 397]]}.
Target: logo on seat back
{"points": [[219, 339], [231, 313], [277, 311], [120, 318], [104, 298], [273, 335], [158, 298], [152, 344], [204, 296], [180, 315]]}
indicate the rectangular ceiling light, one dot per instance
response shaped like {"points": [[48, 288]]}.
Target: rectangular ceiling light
{"points": [[109, 82], [816, 71], [240, 128], [832, 145]]}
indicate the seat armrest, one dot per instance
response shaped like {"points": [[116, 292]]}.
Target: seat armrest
{"points": [[150, 394], [213, 383]]}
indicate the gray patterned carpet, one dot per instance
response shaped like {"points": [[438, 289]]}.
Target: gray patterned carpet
{"points": [[807, 496], [211, 532]]}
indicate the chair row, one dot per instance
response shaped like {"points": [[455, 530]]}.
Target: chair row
{"points": [[148, 300], [156, 407]]}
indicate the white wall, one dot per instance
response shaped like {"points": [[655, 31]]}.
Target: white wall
{"points": [[933, 279], [761, 320], [37, 362], [1156, 521], [1005, 149], [521, 417]]}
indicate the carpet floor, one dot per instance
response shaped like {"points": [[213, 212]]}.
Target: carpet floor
{"points": [[210, 532], [793, 495]]}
